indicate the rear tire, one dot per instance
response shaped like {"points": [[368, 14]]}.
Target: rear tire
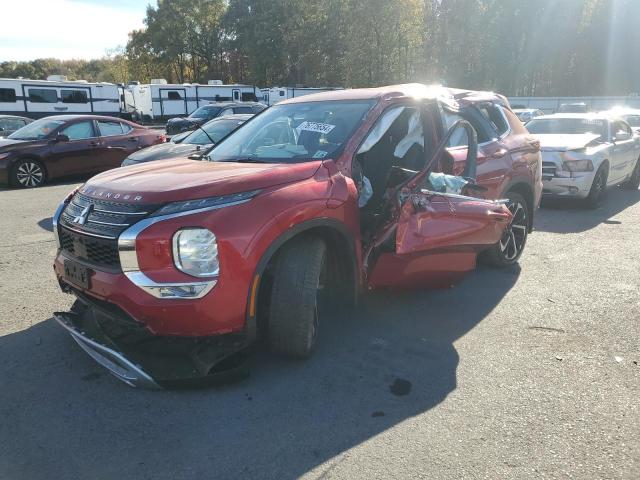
{"points": [[510, 247], [598, 187], [634, 181], [28, 173], [293, 316]]}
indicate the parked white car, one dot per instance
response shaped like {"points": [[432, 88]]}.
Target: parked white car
{"points": [[583, 154]]}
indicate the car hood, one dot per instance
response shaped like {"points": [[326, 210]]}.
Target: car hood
{"points": [[566, 142], [7, 144], [184, 120], [164, 151], [176, 180]]}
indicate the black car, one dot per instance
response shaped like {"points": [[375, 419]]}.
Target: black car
{"points": [[197, 141], [11, 123], [208, 112]]}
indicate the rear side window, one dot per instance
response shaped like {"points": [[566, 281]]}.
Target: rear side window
{"points": [[74, 96], [7, 95], [243, 110], [110, 129], [494, 116], [79, 131], [459, 137], [173, 95], [11, 123], [42, 95]]}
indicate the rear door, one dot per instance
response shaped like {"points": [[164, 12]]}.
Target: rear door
{"points": [[117, 143], [173, 102], [80, 154]]}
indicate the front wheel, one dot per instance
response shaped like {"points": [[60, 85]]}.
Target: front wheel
{"points": [[298, 280], [634, 181], [27, 173], [598, 187], [510, 247]]}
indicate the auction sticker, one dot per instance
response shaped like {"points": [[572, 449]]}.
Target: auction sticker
{"points": [[315, 127]]}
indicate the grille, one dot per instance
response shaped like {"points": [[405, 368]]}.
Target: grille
{"points": [[96, 241], [548, 169], [97, 251]]}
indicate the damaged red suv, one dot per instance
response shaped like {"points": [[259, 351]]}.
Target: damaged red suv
{"points": [[178, 268]]}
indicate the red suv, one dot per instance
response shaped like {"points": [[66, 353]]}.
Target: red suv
{"points": [[178, 267]]}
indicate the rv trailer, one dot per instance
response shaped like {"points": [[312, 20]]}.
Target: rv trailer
{"points": [[56, 95], [273, 95], [159, 100]]}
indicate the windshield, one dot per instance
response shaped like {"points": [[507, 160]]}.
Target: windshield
{"points": [[36, 130], [294, 132], [570, 126], [205, 112], [217, 130]]}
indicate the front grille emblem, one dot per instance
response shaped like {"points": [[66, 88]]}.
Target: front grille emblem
{"points": [[84, 215]]}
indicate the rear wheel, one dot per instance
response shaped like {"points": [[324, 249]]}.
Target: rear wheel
{"points": [[298, 281], [634, 181], [598, 187], [28, 173], [510, 247]]}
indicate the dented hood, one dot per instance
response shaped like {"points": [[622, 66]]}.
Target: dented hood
{"points": [[566, 142], [176, 180]]}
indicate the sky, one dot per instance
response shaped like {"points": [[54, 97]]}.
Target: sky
{"points": [[67, 29]]}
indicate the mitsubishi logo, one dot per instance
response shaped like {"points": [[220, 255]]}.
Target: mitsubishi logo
{"points": [[84, 215]]}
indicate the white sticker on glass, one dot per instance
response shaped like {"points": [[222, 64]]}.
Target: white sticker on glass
{"points": [[315, 127]]}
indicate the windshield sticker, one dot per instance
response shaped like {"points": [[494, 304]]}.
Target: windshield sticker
{"points": [[320, 154], [315, 127]]}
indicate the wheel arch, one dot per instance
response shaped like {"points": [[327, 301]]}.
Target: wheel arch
{"points": [[341, 245]]}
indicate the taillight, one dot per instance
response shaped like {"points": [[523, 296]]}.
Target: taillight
{"points": [[162, 138]]}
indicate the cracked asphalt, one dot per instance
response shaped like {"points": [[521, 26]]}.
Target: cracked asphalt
{"points": [[530, 372]]}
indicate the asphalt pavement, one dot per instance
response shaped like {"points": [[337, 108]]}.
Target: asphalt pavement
{"points": [[530, 372]]}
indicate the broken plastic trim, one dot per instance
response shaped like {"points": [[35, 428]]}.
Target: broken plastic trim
{"points": [[110, 359]]}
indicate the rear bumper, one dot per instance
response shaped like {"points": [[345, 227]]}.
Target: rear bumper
{"points": [[140, 359]]}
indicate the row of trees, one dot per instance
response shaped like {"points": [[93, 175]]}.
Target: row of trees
{"points": [[518, 47]]}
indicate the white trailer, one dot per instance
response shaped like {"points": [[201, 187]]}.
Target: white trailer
{"points": [[159, 100], [55, 96], [273, 95]]}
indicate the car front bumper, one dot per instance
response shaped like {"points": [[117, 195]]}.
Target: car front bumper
{"points": [[577, 186], [143, 360]]}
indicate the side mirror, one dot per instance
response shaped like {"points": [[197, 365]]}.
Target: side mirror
{"points": [[62, 138]]}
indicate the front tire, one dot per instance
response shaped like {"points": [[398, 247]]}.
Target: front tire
{"points": [[634, 181], [598, 187], [510, 247], [297, 282], [28, 173]]}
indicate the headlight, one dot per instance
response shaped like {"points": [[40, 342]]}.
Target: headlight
{"points": [[211, 202], [578, 165], [195, 252]]}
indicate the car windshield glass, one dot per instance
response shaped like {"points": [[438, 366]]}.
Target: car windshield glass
{"points": [[36, 130], [570, 126], [294, 133], [205, 112], [216, 130]]}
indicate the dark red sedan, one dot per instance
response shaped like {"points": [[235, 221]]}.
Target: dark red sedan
{"points": [[64, 145]]}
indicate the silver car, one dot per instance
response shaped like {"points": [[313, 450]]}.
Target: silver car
{"points": [[583, 154]]}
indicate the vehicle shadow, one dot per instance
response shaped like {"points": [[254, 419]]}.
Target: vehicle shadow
{"points": [[392, 358], [567, 216]]}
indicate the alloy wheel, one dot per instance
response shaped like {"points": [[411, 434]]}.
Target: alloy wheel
{"points": [[515, 236], [29, 174]]}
